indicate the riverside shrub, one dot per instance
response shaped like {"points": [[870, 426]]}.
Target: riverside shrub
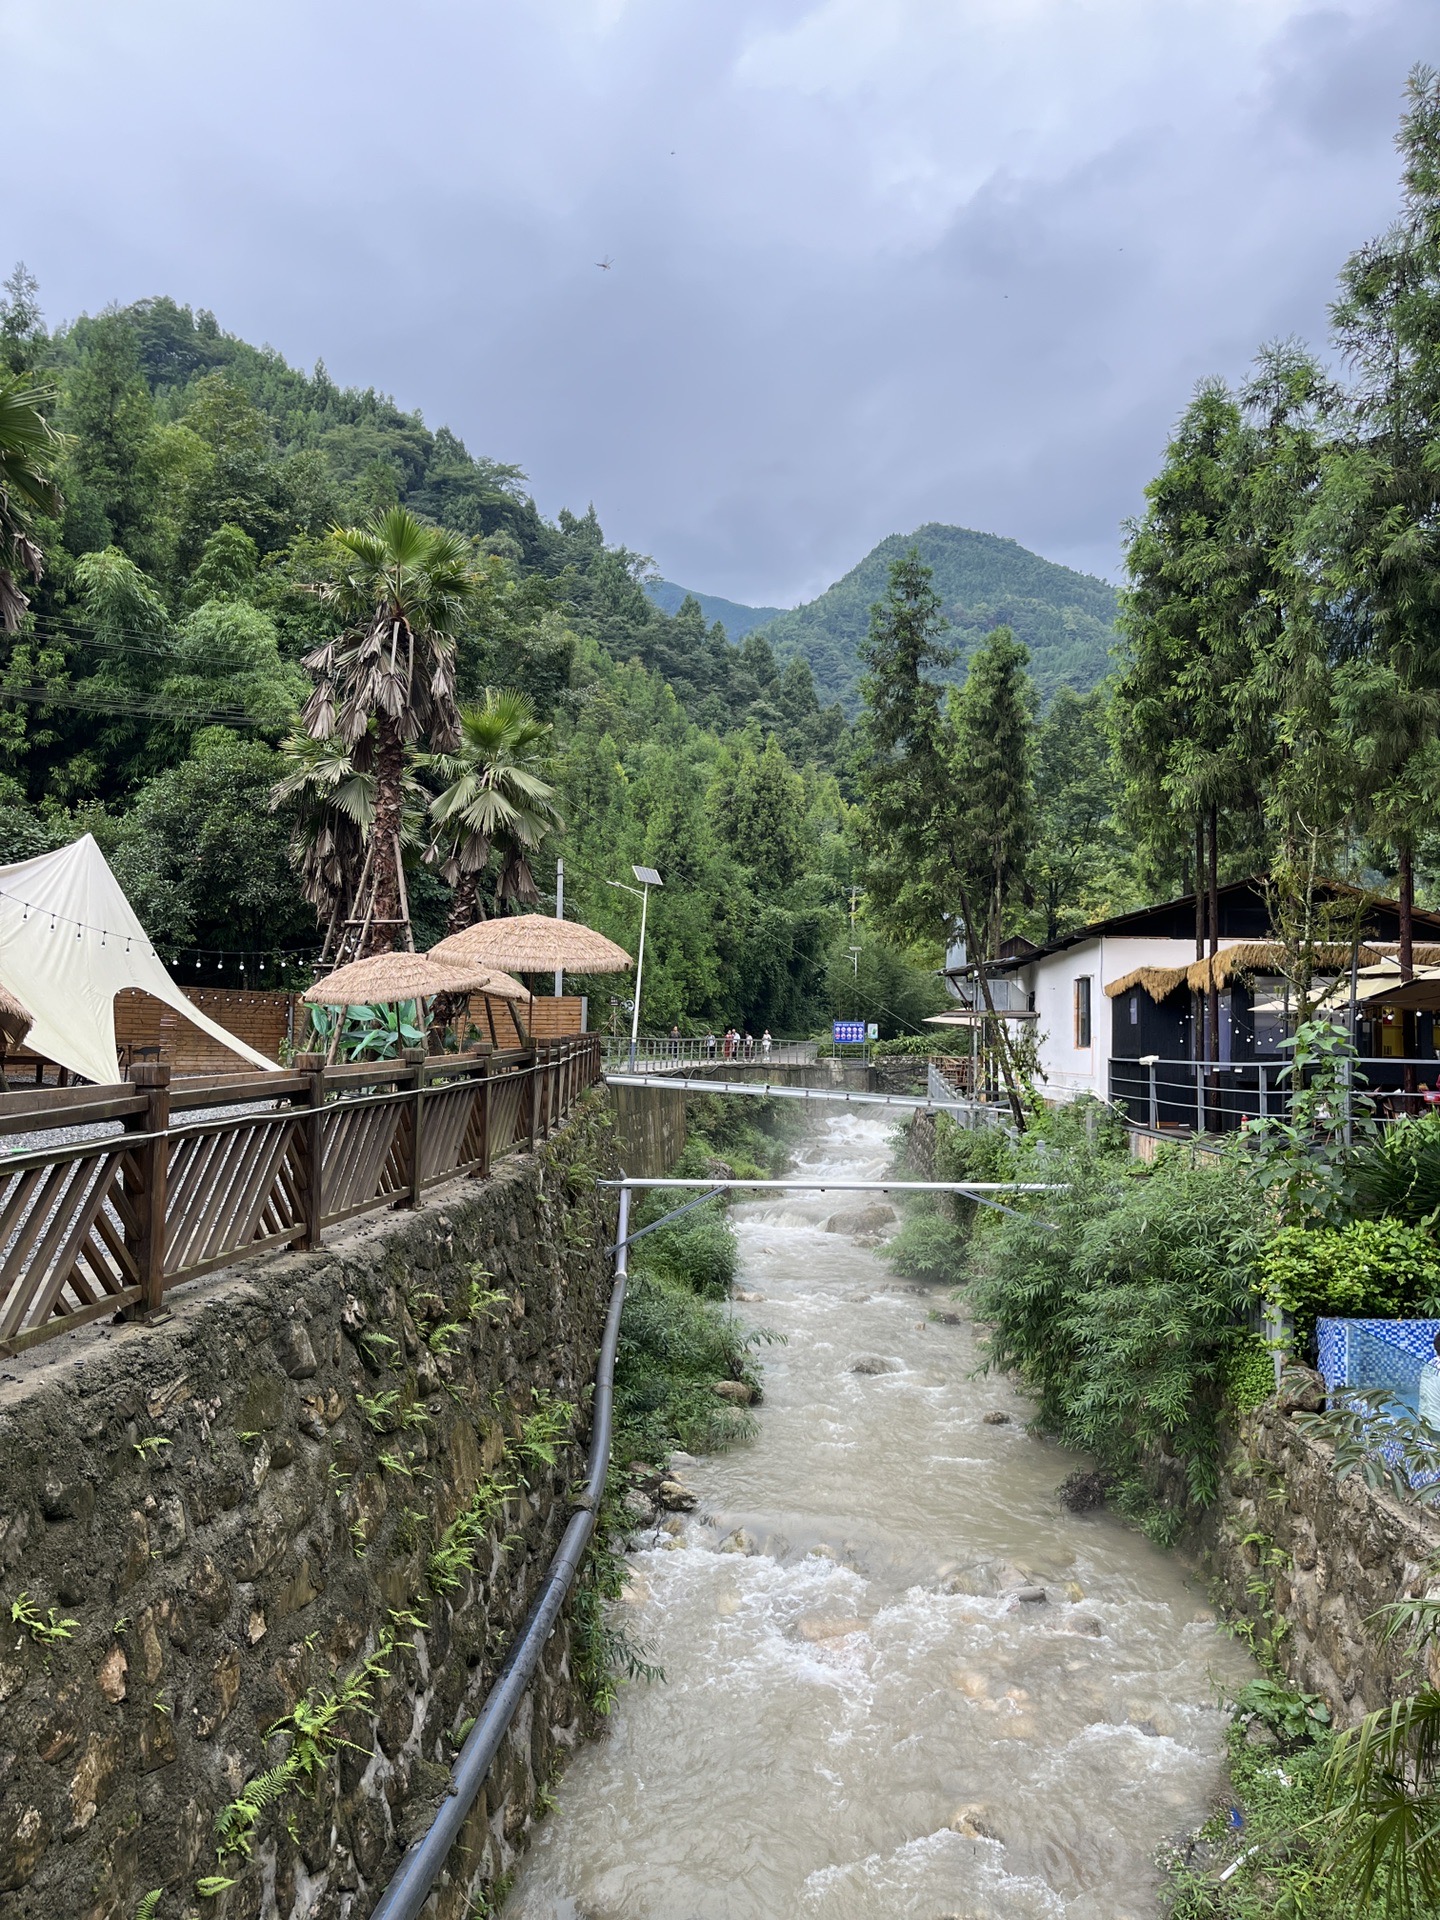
{"points": [[1370, 1269], [1122, 1302], [935, 1237]]}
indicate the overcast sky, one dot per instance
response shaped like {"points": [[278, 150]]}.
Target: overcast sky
{"points": [[874, 262]]}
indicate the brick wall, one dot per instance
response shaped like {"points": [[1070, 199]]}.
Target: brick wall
{"points": [[261, 1019]]}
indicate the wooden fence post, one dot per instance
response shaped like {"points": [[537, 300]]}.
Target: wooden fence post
{"points": [[149, 1198], [415, 1058], [535, 1074], [312, 1147], [482, 1107]]}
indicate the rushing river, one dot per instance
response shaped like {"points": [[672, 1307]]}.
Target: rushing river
{"points": [[859, 1718]]}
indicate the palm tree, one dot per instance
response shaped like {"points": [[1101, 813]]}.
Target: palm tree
{"points": [[333, 793], [400, 588], [29, 448], [495, 799]]}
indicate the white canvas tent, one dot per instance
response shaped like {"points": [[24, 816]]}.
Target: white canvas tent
{"points": [[69, 942]]}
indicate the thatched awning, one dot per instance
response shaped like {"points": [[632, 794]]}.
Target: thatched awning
{"points": [[387, 977], [533, 943], [1241, 957], [1157, 981], [1268, 956]]}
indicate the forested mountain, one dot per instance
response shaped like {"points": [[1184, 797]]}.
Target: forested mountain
{"points": [[151, 692], [1066, 619], [737, 620]]}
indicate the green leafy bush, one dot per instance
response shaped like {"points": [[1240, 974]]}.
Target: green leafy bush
{"points": [[673, 1348], [1370, 1269], [1397, 1174], [934, 1239], [1122, 1301], [1249, 1373], [1274, 1863], [929, 1246], [698, 1250]]}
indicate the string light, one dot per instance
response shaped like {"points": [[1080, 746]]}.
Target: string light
{"points": [[246, 959]]}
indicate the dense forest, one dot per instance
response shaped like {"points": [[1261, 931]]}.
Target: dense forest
{"points": [[150, 692]]}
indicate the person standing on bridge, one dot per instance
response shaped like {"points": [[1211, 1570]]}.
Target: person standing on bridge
{"points": [[749, 1044], [765, 1043], [709, 1046], [675, 1042]]}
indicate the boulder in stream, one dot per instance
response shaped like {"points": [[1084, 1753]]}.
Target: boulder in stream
{"points": [[735, 1391], [873, 1363], [995, 1418], [860, 1219], [676, 1497], [975, 1820]]}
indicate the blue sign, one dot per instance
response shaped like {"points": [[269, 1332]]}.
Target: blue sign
{"points": [[848, 1033]]}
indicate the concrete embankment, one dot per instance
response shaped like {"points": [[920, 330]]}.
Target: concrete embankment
{"points": [[290, 1534]]}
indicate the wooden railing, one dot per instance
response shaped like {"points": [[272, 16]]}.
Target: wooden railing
{"points": [[163, 1187]]}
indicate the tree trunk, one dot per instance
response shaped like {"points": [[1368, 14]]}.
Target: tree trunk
{"points": [[1213, 881], [464, 904], [384, 931], [1407, 955], [1200, 890], [997, 914], [1007, 1065]]}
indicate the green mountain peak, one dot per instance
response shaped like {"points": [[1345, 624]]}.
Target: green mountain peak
{"points": [[985, 580]]}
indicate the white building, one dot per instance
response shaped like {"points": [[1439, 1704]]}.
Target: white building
{"points": [[1117, 1004]]}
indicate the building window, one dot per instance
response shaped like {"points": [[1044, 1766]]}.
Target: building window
{"points": [[1082, 1011], [1134, 1009]]}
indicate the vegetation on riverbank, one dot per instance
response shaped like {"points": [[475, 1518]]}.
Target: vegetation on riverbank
{"points": [[678, 1337], [1121, 1300], [1127, 1301]]}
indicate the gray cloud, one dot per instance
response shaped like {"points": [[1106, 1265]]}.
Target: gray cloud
{"points": [[875, 261]]}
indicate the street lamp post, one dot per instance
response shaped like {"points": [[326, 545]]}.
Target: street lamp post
{"points": [[648, 877]]}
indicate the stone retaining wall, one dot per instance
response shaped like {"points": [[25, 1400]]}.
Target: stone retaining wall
{"points": [[1288, 1543], [649, 1129], [308, 1504]]}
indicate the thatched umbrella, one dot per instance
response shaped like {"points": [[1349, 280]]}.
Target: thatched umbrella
{"points": [[533, 943], [388, 977], [16, 1018], [16, 1021]]}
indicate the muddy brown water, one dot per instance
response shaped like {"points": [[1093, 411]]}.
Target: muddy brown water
{"points": [[859, 1719]]}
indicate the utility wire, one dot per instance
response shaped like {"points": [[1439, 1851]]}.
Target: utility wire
{"points": [[41, 696]]}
